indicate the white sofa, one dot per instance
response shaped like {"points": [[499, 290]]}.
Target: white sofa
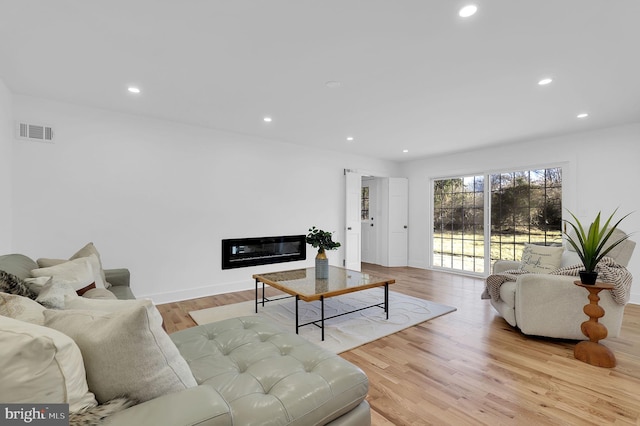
{"points": [[552, 305]]}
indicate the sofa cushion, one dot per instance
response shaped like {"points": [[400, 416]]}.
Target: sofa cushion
{"points": [[21, 308], [541, 259], [125, 352], [17, 264], [41, 365], [107, 305], [256, 365]]}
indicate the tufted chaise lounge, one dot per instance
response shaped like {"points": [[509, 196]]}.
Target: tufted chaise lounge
{"points": [[252, 373]]}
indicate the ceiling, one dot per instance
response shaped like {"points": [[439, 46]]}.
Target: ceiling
{"points": [[412, 74]]}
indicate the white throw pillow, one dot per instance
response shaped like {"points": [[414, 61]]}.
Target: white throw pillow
{"points": [[63, 265], [78, 273], [541, 259], [53, 294], [36, 284], [152, 364], [41, 365], [21, 308]]}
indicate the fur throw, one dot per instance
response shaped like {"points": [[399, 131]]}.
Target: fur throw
{"points": [[11, 284], [94, 416], [608, 270]]}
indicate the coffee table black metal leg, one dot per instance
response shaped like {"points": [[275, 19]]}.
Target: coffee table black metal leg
{"points": [[386, 299], [256, 296], [322, 315], [297, 298]]}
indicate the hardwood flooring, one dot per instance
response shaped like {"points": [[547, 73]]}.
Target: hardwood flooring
{"points": [[471, 368]]}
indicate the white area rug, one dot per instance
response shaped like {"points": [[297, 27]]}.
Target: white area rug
{"points": [[341, 333]]}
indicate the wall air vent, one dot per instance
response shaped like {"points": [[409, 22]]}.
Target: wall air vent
{"points": [[35, 132]]}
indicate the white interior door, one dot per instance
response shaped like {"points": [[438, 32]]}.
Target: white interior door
{"points": [[353, 231], [398, 221]]}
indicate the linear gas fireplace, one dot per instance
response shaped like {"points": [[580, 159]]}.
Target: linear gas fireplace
{"points": [[241, 252]]}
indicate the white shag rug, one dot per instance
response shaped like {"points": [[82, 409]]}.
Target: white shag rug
{"points": [[342, 333]]}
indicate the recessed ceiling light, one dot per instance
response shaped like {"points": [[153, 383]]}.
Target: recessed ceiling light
{"points": [[133, 89], [583, 115], [405, 150], [545, 81], [267, 119], [350, 138], [332, 84], [468, 10]]}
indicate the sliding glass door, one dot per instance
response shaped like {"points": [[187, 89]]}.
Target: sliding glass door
{"points": [[524, 207]]}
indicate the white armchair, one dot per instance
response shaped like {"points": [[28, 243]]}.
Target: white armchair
{"points": [[551, 305]]}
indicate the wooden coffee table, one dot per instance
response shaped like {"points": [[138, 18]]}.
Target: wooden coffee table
{"points": [[303, 285]]}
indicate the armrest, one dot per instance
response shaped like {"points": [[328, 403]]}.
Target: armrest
{"points": [[120, 276], [505, 265], [552, 306], [202, 406]]}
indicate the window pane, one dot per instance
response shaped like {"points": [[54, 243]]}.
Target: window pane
{"points": [[458, 214], [526, 207]]}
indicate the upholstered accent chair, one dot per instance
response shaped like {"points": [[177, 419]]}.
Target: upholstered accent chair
{"points": [[552, 305]]}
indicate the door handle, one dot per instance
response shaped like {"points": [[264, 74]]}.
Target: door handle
{"points": [[349, 228], [405, 227]]}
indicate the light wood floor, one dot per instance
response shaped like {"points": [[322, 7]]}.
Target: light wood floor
{"points": [[471, 367]]}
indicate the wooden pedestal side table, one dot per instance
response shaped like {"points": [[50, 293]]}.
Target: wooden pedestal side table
{"points": [[591, 351]]}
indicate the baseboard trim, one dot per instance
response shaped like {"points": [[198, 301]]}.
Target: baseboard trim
{"points": [[194, 293]]}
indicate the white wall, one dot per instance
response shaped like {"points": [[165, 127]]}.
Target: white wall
{"points": [[6, 144], [600, 172], [158, 197]]}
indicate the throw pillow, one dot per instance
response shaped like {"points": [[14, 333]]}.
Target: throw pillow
{"points": [[106, 305], [541, 259], [87, 251], [96, 267], [37, 283], [153, 366], [78, 273], [99, 293], [11, 284], [53, 294], [21, 308], [41, 365]]}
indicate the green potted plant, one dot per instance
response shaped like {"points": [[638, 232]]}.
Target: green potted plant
{"points": [[322, 240], [592, 245]]}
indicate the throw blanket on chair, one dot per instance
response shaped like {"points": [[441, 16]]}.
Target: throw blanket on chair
{"points": [[608, 271]]}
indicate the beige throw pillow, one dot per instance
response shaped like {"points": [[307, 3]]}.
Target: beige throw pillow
{"points": [[541, 259], [87, 251], [125, 352], [94, 261], [78, 273], [21, 308], [110, 305], [41, 365]]}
